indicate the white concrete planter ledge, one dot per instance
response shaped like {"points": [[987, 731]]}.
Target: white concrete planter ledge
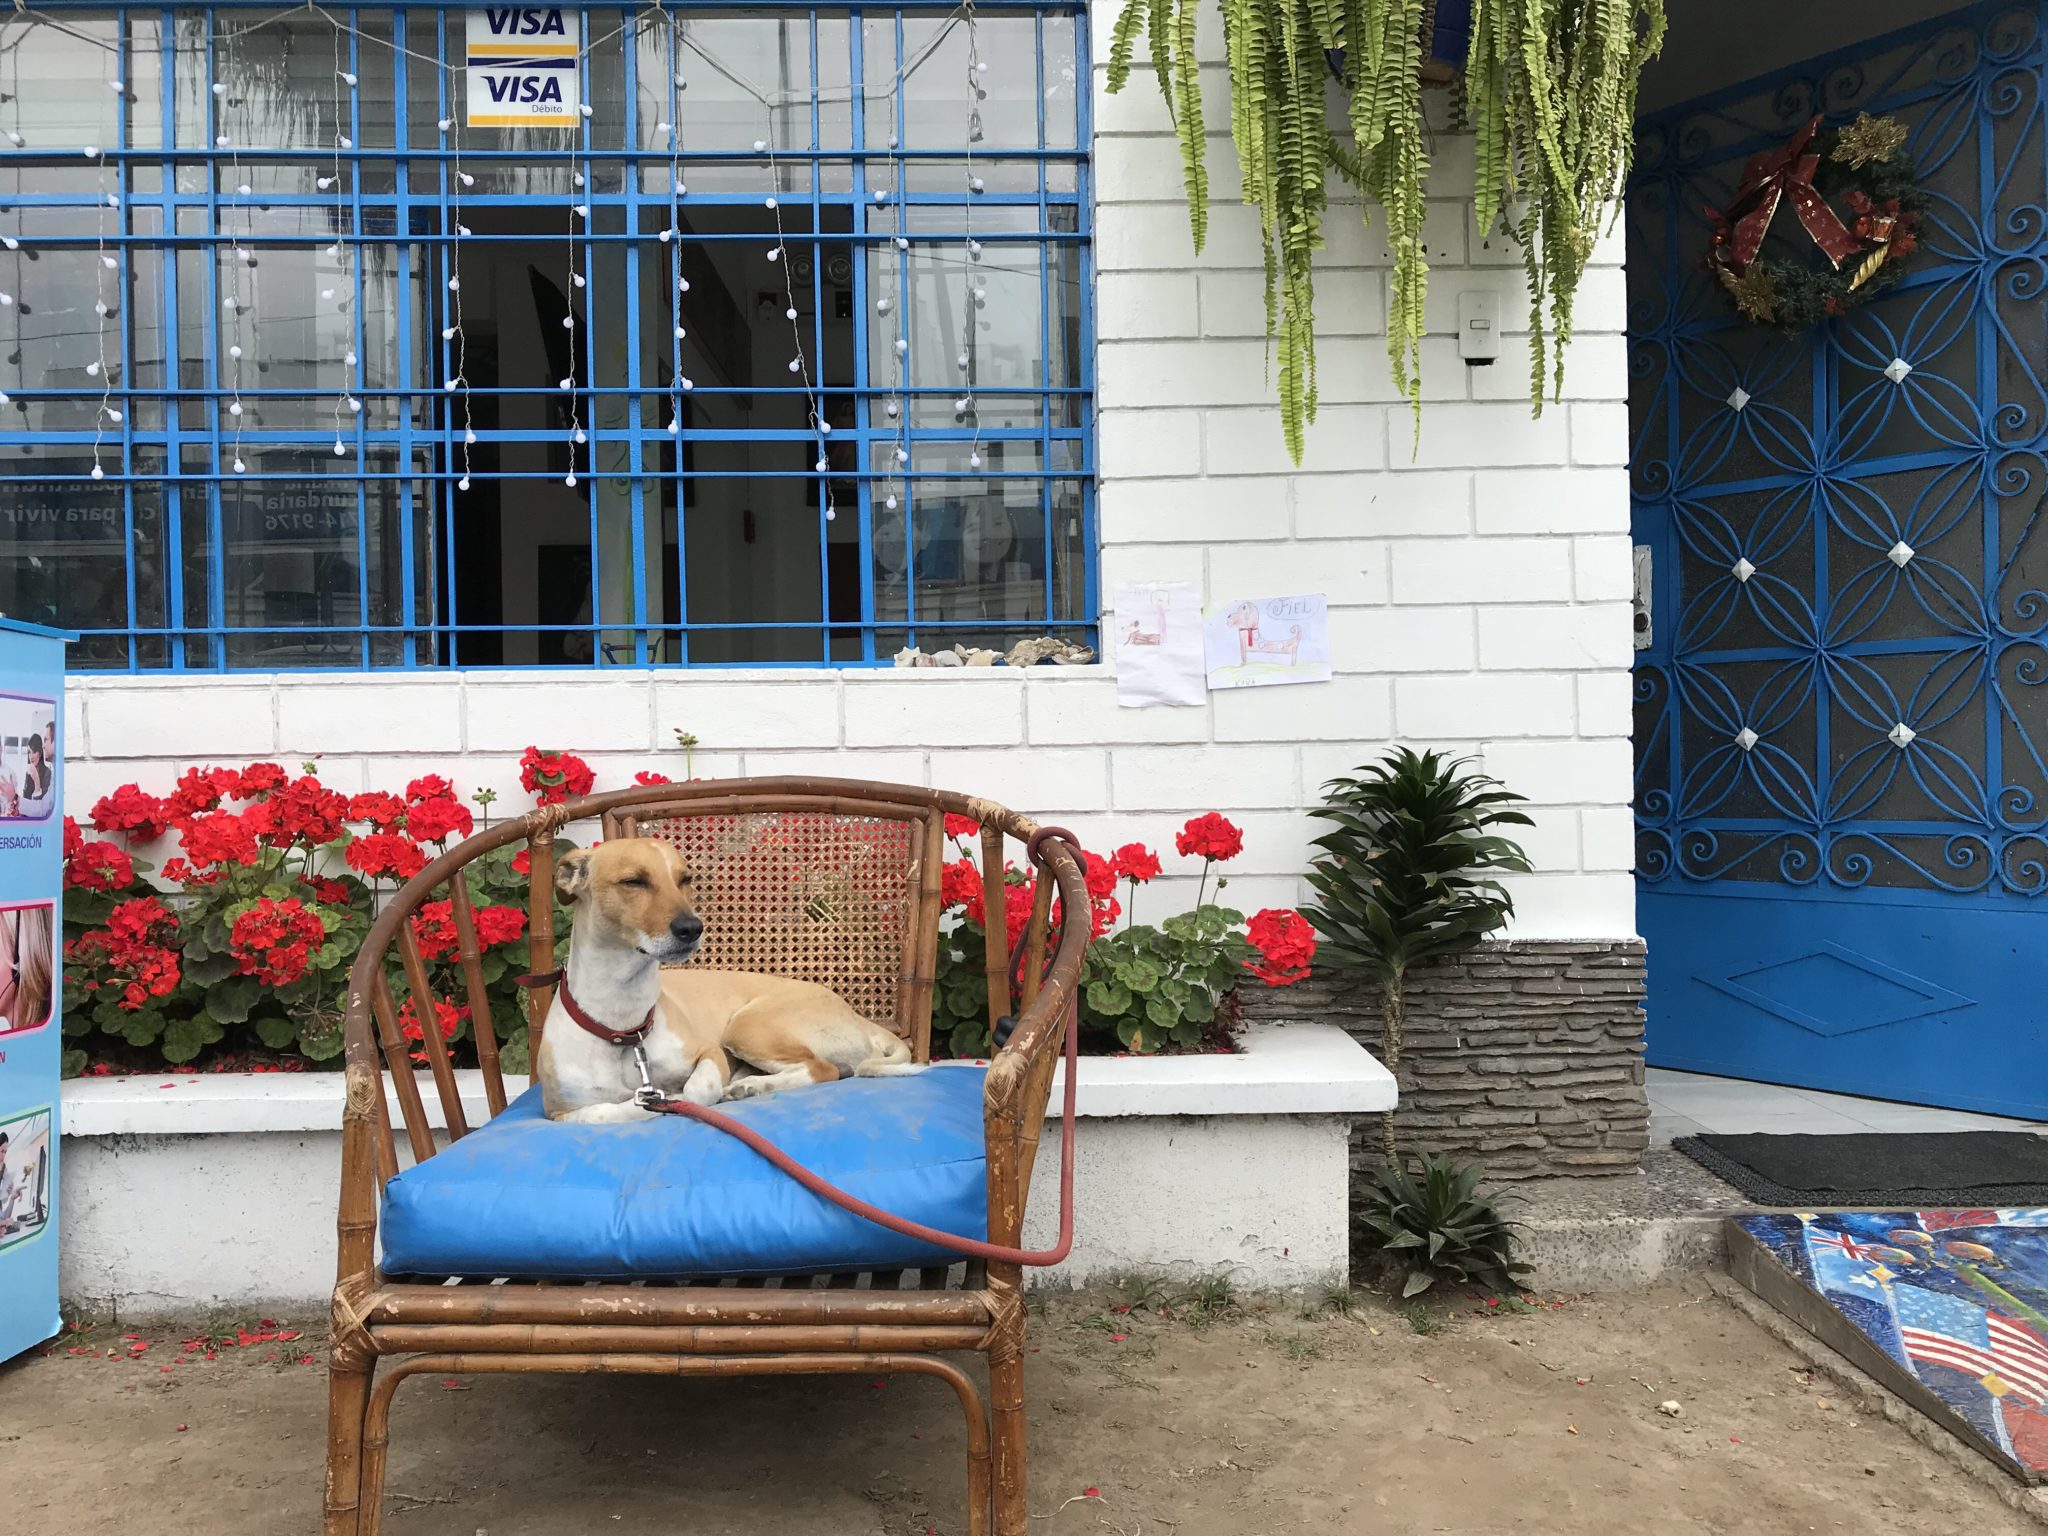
{"points": [[188, 1192]]}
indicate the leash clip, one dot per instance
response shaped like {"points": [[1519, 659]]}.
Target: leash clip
{"points": [[646, 1095]]}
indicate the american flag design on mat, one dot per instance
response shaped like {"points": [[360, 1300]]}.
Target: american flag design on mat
{"points": [[2003, 1355]]}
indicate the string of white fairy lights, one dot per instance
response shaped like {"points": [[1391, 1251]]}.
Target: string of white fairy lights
{"points": [[974, 295], [679, 383], [342, 247], [895, 409], [452, 333], [105, 261]]}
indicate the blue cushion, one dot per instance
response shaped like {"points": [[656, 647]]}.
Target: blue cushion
{"points": [[525, 1195]]}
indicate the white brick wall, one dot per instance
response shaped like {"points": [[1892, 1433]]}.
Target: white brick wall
{"points": [[1478, 580]]}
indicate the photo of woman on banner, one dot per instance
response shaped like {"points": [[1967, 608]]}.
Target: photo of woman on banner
{"points": [[26, 966], [28, 758]]}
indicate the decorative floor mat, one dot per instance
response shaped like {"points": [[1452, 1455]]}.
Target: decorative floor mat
{"points": [[1948, 1308], [1915, 1169]]}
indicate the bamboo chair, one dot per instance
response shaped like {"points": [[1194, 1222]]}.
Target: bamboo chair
{"points": [[774, 857]]}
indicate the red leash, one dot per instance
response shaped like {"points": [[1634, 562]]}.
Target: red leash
{"points": [[995, 1253]]}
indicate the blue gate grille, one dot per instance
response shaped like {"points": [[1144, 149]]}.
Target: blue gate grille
{"points": [[291, 441], [1844, 684]]}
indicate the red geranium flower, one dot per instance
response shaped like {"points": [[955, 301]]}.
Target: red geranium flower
{"points": [[274, 940], [74, 839], [960, 886], [553, 777], [1211, 838], [258, 779], [333, 893], [1101, 875], [132, 956], [303, 811], [95, 866], [386, 853], [379, 808], [446, 1015], [436, 820], [128, 809], [435, 926], [649, 777], [1135, 862], [428, 786], [218, 840], [522, 862], [961, 826], [201, 789], [1286, 943]]}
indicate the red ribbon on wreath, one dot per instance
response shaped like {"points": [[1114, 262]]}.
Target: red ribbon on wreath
{"points": [[1769, 178]]}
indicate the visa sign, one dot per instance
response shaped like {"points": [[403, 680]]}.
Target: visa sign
{"points": [[524, 67]]}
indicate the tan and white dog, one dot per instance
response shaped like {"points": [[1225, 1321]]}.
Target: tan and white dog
{"points": [[634, 915]]}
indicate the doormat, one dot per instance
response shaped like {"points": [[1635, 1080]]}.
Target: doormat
{"points": [[1948, 1309], [1877, 1168]]}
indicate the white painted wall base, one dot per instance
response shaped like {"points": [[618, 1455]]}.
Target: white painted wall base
{"points": [[182, 1194]]}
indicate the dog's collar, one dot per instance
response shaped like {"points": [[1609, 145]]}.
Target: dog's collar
{"points": [[560, 980]]}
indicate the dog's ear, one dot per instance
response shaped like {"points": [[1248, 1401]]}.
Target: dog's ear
{"points": [[572, 874]]}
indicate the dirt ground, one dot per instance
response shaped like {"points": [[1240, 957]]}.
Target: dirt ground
{"points": [[1255, 1422]]}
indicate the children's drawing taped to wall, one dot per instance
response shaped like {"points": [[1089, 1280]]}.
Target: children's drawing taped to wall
{"points": [[1258, 642], [1156, 633]]}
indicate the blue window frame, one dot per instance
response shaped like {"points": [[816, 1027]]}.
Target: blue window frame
{"points": [[250, 422]]}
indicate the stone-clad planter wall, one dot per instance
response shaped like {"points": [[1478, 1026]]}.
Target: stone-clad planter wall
{"points": [[1527, 1054]]}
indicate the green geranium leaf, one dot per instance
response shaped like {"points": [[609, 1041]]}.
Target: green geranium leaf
{"points": [[230, 999], [185, 1038], [276, 1031]]}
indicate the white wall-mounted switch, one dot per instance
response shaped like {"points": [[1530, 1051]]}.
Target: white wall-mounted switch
{"points": [[1478, 327]]}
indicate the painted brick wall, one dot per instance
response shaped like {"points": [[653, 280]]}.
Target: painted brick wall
{"points": [[1478, 580]]}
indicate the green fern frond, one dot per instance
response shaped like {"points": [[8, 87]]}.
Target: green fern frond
{"points": [[1123, 41]]}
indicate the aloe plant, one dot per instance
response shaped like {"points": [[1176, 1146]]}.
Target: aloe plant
{"points": [[1438, 1227], [1409, 872]]}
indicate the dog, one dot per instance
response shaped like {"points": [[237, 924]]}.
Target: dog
{"points": [[635, 915]]}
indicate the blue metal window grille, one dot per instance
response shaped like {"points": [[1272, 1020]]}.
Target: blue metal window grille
{"points": [[300, 184], [1844, 689]]}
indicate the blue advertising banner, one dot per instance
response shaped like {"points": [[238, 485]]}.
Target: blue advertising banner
{"points": [[31, 1043]]}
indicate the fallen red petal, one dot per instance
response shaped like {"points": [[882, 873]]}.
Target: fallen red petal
{"points": [[1091, 1493]]}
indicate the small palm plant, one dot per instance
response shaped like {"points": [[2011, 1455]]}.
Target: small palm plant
{"points": [[1408, 873]]}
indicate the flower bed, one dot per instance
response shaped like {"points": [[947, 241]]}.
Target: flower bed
{"points": [[233, 953]]}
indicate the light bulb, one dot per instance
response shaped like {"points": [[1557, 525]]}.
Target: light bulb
{"points": [[902, 346], [681, 333], [326, 293], [680, 80], [99, 309], [569, 479], [340, 449], [581, 210], [687, 383], [346, 142], [98, 473], [823, 465], [882, 306], [889, 502], [451, 385], [235, 351], [355, 406], [334, 249], [960, 405], [891, 410], [454, 283], [584, 108], [446, 123], [902, 455], [682, 285], [235, 409], [667, 235], [220, 88], [462, 484], [323, 182], [881, 194], [348, 78], [568, 383], [229, 304], [661, 128], [243, 190], [831, 516], [10, 242], [576, 177], [892, 141], [795, 364], [109, 263], [981, 296], [768, 203], [465, 178], [974, 461], [902, 244], [568, 322], [576, 278], [15, 139], [760, 146], [112, 414], [469, 437], [579, 437], [675, 428], [6, 299], [790, 313], [113, 200], [92, 370], [961, 359], [774, 253], [220, 141], [824, 429], [464, 231], [447, 333], [981, 66], [974, 249], [349, 358], [975, 184], [240, 467]]}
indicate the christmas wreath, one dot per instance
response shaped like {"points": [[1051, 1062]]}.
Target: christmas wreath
{"points": [[1864, 165]]}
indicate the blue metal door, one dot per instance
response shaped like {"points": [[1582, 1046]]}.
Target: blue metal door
{"points": [[1842, 709]]}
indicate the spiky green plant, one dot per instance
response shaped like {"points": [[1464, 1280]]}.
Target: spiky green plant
{"points": [[1407, 873], [1549, 88], [1438, 1227]]}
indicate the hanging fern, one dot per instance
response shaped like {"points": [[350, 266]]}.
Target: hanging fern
{"points": [[1548, 93]]}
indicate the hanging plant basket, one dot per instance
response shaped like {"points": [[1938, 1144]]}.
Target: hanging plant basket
{"points": [[1855, 197]]}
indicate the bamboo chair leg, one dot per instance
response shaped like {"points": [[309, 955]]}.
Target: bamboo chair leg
{"points": [[376, 1446], [1006, 1412], [348, 1395]]}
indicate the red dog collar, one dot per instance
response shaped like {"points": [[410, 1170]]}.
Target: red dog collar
{"points": [[584, 1021]]}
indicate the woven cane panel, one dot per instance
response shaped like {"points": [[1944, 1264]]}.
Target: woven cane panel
{"points": [[808, 894]]}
